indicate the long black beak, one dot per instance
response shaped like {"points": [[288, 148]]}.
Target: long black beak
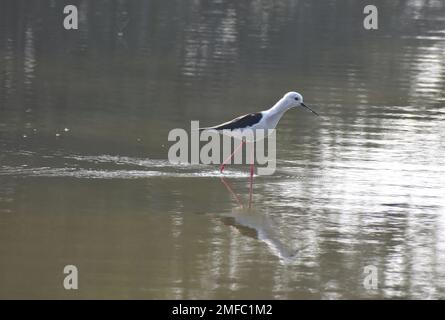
{"points": [[309, 109]]}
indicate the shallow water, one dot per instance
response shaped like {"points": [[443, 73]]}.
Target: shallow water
{"points": [[84, 175]]}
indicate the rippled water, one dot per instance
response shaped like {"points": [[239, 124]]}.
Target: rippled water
{"points": [[84, 175]]}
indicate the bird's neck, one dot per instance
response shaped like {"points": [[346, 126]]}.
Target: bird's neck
{"points": [[278, 109]]}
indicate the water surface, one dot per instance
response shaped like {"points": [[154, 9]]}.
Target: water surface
{"points": [[84, 175]]}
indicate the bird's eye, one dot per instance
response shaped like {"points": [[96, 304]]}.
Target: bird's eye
{"points": [[296, 98]]}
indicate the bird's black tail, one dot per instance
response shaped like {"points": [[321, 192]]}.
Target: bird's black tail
{"points": [[207, 128]]}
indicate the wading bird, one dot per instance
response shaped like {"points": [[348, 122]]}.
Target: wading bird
{"points": [[265, 120]]}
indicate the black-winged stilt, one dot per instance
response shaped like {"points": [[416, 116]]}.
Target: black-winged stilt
{"points": [[265, 120]]}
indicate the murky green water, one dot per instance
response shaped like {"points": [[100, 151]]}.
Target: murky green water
{"points": [[84, 175]]}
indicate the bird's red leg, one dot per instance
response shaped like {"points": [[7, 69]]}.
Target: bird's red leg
{"points": [[231, 156], [252, 168]]}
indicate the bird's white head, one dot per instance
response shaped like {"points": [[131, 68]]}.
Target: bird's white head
{"points": [[294, 99]]}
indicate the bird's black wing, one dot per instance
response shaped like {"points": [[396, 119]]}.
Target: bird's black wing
{"points": [[244, 121]]}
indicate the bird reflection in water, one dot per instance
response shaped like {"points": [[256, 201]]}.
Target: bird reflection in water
{"points": [[258, 225], [233, 193]]}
